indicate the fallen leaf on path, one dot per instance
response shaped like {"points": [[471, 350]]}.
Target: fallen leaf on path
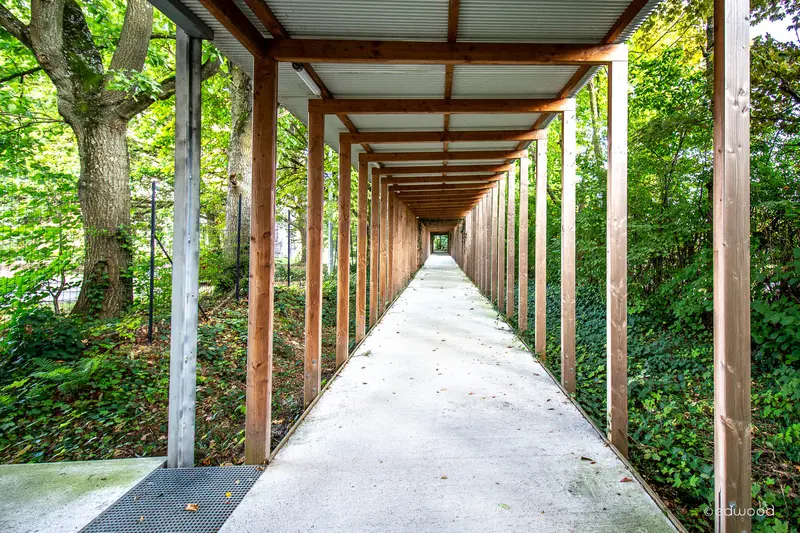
{"points": [[503, 506], [191, 507], [626, 479]]}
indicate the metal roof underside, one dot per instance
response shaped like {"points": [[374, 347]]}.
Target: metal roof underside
{"points": [[552, 21]]}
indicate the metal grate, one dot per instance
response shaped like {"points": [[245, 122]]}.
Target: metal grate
{"points": [[158, 504]]}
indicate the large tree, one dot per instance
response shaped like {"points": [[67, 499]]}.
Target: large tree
{"points": [[239, 158], [94, 94]]}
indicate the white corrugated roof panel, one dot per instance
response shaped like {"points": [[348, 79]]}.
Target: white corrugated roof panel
{"points": [[408, 147], [384, 81], [493, 122], [576, 21], [512, 81], [419, 20], [489, 145], [398, 122]]}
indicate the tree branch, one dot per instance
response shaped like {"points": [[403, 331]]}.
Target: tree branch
{"points": [[134, 39], [14, 26], [20, 74], [129, 107]]}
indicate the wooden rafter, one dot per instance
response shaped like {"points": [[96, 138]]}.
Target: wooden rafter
{"points": [[381, 137], [471, 169], [478, 155], [395, 106], [439, 53]]}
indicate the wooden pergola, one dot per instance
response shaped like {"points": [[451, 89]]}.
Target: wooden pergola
{"points": [[437, 117]]}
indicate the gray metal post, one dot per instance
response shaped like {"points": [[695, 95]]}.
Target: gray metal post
{"points": [[186, 252]]}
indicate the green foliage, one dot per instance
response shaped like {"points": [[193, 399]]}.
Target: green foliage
{"points": [[39, 336]]}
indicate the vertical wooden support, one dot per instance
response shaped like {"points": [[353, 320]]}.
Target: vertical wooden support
{"points": [[522, 320], [361, 253], [493, 248], [487, 237], [384, 270], [540, 325], [186, 252], [501, 243], [316, 182], [510, 258], [375, 249], [568, 179], [732, 430], [260, 307], [616, 256], [343, 259], [390, 247]]}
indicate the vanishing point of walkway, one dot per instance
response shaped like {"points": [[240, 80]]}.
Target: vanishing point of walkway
{"points": [[443, 421]]}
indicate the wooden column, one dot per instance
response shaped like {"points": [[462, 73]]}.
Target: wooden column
{"points": [[501, 243], [316, 182], [261, 297], [732, 430], [186, 253], [375, 250], [361, 253], [568, 179], [510, 250], [522, 320], [390, 248], [343, 258], [384, 270], [540, 333], [616, 256], [493, 248]]}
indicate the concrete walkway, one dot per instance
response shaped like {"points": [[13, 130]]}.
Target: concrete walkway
{"points": [[443, 422]]}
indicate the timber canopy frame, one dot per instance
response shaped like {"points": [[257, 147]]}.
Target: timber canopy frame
{"points": [[437, 120]]}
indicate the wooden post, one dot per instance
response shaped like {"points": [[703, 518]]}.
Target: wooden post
{"points": [[616, 256], [361, 253], [568, 251], [260, 306], [390, 248], [375, 249], [316, 182], [493, 248], [501, 244], [384, 245], [540, 333], [510, 229], [343, 259], [732, 430], [522, 320], [186, 252]]}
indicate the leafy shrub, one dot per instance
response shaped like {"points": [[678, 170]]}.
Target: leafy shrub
{"points": [[38, 333]]}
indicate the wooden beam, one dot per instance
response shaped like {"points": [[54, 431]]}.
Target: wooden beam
{"points": [[510, 244], [439, 53], [616, 257], [394, 106], [231, 17], [443, 195], [731, 229], [439, 169], [436, 188], [361, 253], [389, 137], [343, 259], [568, 180], [394, 157], [316, 182], [417, 181], [501, 243], [375, 248], [522, 319], [384, 243], [186, 253], [540, 319], [260, 307]]}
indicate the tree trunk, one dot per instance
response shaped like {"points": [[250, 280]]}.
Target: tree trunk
{"points": [[240, 148], [105, 200]]}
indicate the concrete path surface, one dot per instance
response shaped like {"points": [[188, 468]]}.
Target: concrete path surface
{"points": [[64, 497], [443, 422]]}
